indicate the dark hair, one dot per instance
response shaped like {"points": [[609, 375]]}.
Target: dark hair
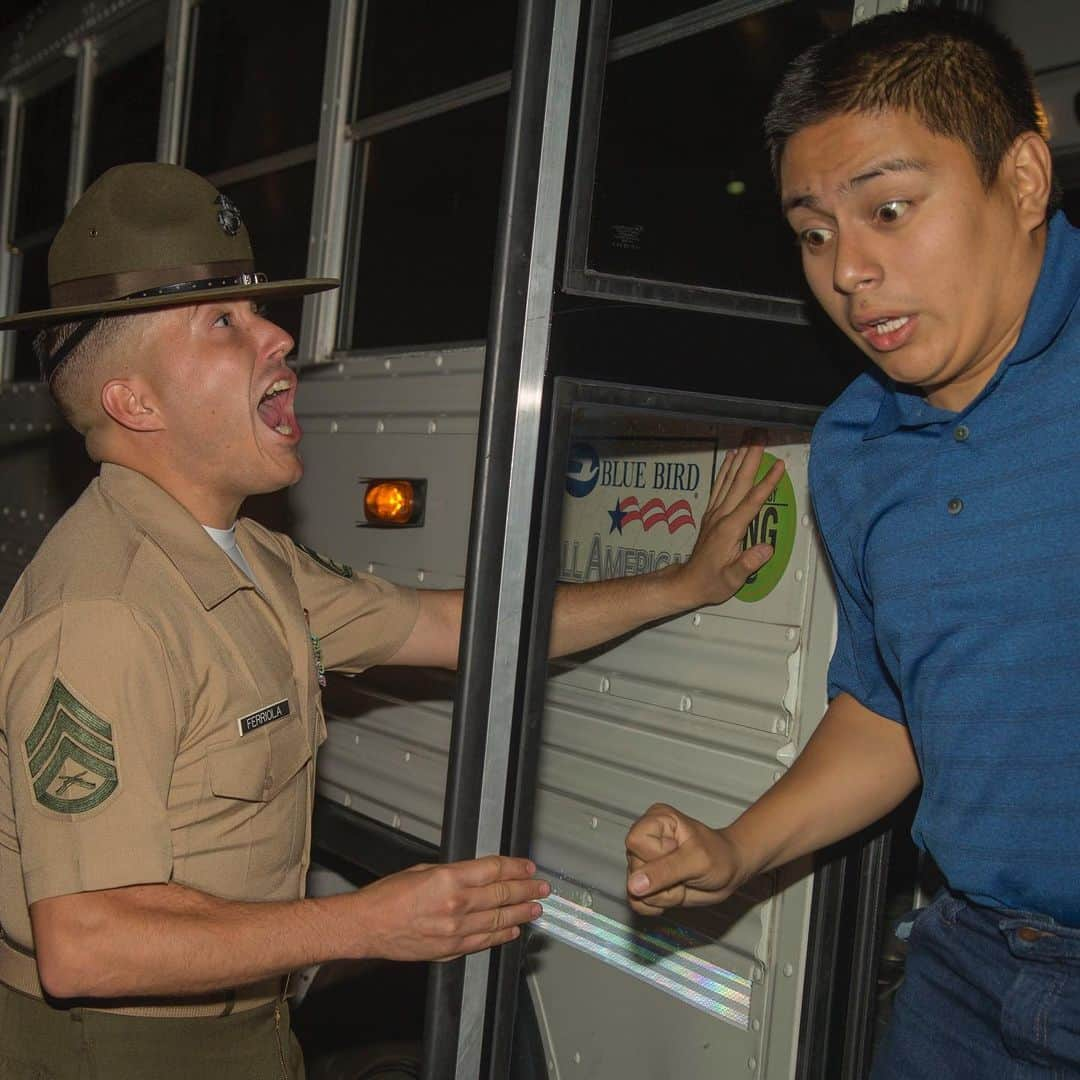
{"points": [[957, 73]]}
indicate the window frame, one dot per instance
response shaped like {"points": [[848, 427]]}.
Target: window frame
{"points": [[578, 278]]}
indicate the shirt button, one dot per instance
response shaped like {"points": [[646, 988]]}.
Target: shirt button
{"points": [[961, 433], [956, 505], [1030, 934]]}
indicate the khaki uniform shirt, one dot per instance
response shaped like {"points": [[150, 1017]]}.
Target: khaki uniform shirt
{"points": [[159, 714]]}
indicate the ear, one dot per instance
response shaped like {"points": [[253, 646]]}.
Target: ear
{"points": [[1029, 172], [131, 404]]}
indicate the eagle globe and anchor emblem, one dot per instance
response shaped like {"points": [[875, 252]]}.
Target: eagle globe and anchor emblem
{"points": [[228, 216]]}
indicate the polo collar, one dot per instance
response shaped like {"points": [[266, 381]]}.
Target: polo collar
{"points": [[1053, 300], [211, 575]]}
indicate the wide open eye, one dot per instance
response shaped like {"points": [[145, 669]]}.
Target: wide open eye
{"points": [[891, 211], [815, 238]]}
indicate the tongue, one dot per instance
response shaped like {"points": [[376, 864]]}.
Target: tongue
{"points": [[276, 411]]}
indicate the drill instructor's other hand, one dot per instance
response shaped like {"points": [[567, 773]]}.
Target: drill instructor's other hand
{"points": [[676, 861], [719, 566], [442, 912]]}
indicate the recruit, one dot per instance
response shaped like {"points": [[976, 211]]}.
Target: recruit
{"points": [[913, 166], [160, 668]]}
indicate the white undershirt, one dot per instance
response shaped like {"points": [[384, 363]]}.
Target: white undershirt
{"points": [[226, 540]]}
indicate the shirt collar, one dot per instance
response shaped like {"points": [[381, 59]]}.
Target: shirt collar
{"points": [[183, 540], [1054, 298]]}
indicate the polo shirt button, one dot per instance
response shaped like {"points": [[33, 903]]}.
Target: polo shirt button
{"points": [[1030, 934], [956, 505], [961, 433]]}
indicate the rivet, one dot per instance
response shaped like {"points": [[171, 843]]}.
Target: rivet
{"points": [[356, 739], [686, 703], [22, 513], [577, 1057], [587, 899], [594, 822], [776, 775], [799, 575], [419, 575], [380, 426], [347, 800], [396, 822], [789, 970], [755, 1024], [752, 1064], [333, 427], [806, 521], [791, 633], [781, 725], [341, 368], [438, 360], [371, 568], [695, 619], [605, 685], [386, 363], [41, 516], [408, 756], [432, 427], [758, 973]]}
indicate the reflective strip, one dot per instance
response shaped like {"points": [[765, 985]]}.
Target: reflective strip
{"points": [[661, 958]]}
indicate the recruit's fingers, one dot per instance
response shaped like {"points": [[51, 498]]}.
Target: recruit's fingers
{"points": [[729, 465], [739, 481]]}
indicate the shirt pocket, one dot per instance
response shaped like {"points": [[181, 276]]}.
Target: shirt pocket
{"points": [[260, 765]]}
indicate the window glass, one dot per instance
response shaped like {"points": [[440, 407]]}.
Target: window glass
{"points": [[43, 161], [428, 235], [257, 84], [126, 106], [683, 190], [276, 208], [416, 48]]}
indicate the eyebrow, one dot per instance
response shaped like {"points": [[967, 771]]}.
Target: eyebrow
{"points": [[879, 168]]}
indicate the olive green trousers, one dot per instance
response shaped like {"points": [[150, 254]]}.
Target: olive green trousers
{"points": [[39, 1042]]}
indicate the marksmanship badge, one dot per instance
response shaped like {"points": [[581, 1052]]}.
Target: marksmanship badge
{"points": [[341, 569], [71, 755], [228, 216]]}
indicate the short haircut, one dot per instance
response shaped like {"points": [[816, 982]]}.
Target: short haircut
{"points": [[957, 73], [76, 384]]}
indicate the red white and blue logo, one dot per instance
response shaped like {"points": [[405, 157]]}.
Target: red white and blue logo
{"points": [[651, 513]]}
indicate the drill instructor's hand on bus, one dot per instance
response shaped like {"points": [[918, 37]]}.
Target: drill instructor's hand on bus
{"points": [[855, 768], [719, 566]]}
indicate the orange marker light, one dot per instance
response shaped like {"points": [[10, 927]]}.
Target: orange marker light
{"points": [[390, 502]]}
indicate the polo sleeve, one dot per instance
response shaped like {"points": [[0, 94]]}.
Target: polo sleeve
{"points": [[91, 729], [857, 667], [360, 620]]}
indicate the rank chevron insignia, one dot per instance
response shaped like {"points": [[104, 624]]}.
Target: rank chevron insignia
{"points": [[71, 755], [341, 569]]}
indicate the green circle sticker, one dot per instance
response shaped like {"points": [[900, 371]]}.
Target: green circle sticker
{"points": [[774, 524]]}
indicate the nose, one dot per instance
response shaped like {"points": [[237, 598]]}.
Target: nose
{"points": [[278, 341], [855, 267]]}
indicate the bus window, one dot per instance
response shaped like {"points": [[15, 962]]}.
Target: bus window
{"points": [[44, 151], [414, 49], [255, 137], [126, 106], [682, 195], [422, 272]]}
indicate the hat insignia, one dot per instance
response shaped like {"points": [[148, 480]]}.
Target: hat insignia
{"points": [[228, 216]]}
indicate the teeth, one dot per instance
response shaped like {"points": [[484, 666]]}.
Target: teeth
{"points": [[283, 429], [887, 326], [276, 388]]}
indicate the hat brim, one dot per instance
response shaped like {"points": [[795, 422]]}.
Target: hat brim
{"points": [[270, 290]]}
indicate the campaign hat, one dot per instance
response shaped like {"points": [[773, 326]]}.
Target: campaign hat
{"points": [[151, 235]]}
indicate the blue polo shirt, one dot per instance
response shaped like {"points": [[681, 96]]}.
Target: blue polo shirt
{"points": [[955, 545]]}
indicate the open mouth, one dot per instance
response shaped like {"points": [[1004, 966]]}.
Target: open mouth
{"points": [[276, 408], [888, 333]]}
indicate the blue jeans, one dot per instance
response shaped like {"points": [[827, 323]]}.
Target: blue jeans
{"points": [[987, 995]]}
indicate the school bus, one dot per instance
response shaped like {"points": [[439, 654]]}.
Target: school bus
{"points": [[567, 289]]}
